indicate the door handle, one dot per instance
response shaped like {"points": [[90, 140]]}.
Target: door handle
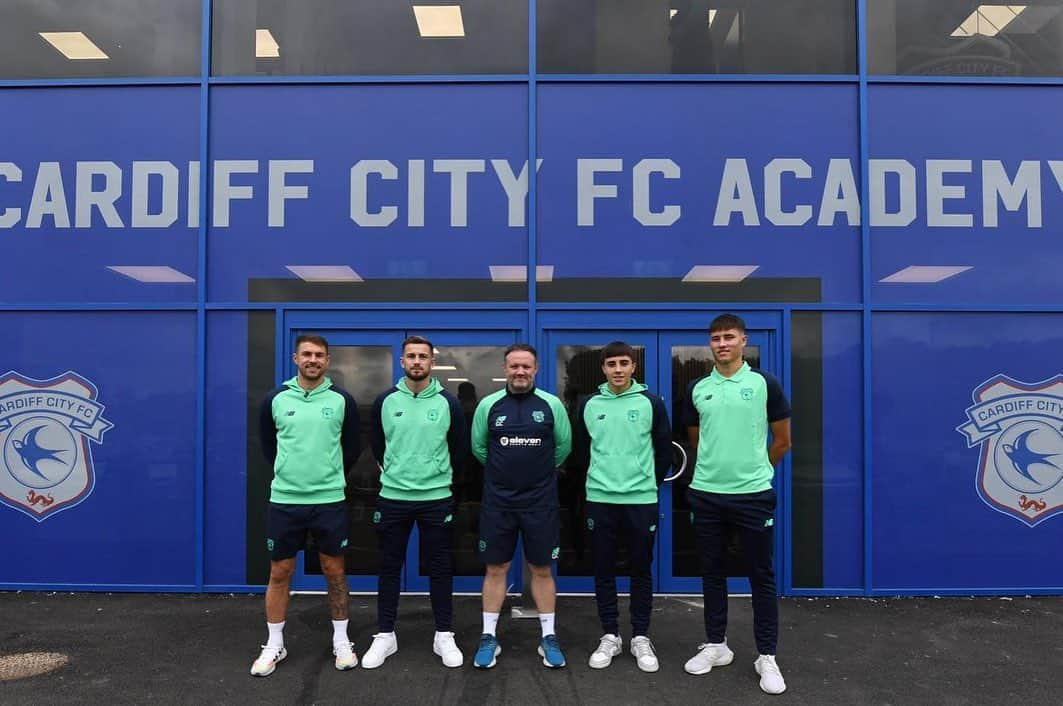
{"points": [[682, 464]]}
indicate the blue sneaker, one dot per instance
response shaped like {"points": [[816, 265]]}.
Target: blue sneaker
{"points": [[551, 652], [489, 649]]}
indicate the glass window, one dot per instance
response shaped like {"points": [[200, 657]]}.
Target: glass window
{"points": [[965, 38], [335, 37], [99, 38], [470, 373], [697, 37], [579, 373], [363, 371], [688, 364]]}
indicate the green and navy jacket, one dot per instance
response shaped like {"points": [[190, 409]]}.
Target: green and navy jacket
{"points": [[417, 439], [625, 444], [733, 415], [311, 438], [521, 438]]}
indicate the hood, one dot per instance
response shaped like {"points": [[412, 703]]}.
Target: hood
{"points": [[636, 388], [433, 389]]}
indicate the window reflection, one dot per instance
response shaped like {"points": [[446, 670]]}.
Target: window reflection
{"points": [[579, 373], [697, 36], [469, 373], [99, 38], [371, 37], [965, 38], [688, 364]]}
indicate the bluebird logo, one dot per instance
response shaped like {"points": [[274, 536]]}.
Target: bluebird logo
{"points": [[45, 429], [1019, 429]]}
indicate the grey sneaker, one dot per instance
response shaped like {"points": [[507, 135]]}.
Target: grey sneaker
{"points": [[771, 681], [642, 651], [709, 655], [608, 648]]}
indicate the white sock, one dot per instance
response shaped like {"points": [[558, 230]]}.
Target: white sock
{"points": [[546, 620], [339, 632], [490, 623], [276, 634]]}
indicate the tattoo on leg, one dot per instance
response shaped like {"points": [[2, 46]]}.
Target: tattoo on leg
{"points": [[337, 597]]}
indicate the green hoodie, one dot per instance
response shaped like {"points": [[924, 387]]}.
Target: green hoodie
{"points": [[311, 438], [624, 442], [417, 439]]}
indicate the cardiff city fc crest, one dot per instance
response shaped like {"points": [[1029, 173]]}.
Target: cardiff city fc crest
{"points": [[45, 429], [1020, 429]]}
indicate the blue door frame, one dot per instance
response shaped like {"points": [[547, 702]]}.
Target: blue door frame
{"points": [[657, 331], [389, 328]]}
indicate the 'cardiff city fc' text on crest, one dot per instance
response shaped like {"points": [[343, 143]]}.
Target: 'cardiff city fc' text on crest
{"points": [[1020, 428], [45, 428]]}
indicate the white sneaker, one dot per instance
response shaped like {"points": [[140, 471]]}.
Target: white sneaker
{"points": [[267, 660], [608, 648], [384, 645], [709, 655], [642, 651], [444, 646], [771, 681], [345, 656]]}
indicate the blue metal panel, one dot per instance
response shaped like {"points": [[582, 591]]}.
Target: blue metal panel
{"points": [[962, 216], [413, 128], [962, 511], [66, 244], [620, 222], [130, 521]]}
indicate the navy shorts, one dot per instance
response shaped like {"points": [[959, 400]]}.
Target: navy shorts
{"points": [[290, 524], [540, 530]]}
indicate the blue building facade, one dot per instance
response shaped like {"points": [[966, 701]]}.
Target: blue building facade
{"points": [[876, 186]]}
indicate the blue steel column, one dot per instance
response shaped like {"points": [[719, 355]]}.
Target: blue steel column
{"points": [[201, 299], [533, 192], [865, 277]]}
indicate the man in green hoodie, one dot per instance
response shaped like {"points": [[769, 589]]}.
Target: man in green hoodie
{"points": [[309, 433], [623, 439], [418, 436]]}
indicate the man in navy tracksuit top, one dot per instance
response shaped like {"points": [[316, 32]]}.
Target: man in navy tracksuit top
{"points": [[309, 433], [623, 439], [521, 435], [418, 435]]}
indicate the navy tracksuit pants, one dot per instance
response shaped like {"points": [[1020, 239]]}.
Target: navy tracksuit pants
{"points": [[636, 527], [752, 516], [394, 521]]}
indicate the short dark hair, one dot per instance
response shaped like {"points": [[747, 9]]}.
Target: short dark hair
{"points": [[526, 347], [418, 340], [726, 322], [314, 338], [617, 349]]}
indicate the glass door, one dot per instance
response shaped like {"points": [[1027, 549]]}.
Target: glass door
{"points": [[571, 367], [366, 363], [684, 357]]}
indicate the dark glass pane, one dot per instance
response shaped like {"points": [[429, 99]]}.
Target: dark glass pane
{"points": [[469, 373], [374, 37], [579, 373], [697, 36], [99, 38], [365, 372], [688, 364], [965, 38]]}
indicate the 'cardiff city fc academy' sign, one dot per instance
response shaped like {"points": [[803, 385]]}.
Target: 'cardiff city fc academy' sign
{"points": [[45, 428], [1019, 427]]}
